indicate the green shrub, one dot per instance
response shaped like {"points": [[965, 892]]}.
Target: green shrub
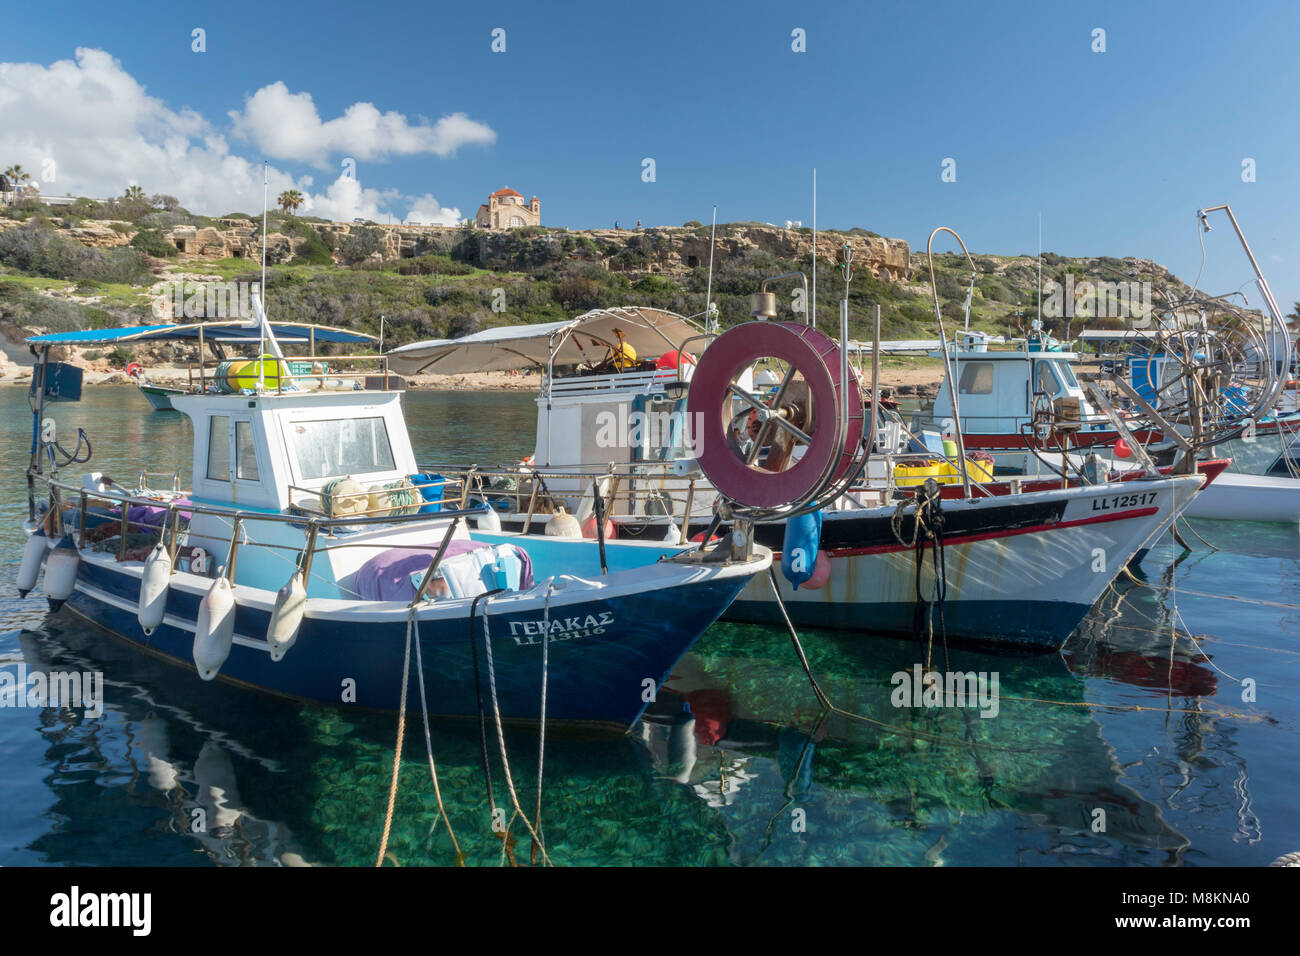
{"points": [[316, 250], [360, 244], [433, 265], [152, 242], [39, 250]]}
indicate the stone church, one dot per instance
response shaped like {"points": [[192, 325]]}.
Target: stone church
{"points": [[506, 209]]}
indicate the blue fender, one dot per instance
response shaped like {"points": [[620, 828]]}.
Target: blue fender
{"points": [[803, 536]]}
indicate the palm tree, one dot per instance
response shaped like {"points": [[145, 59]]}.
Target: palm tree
{"points": [[16, 176], [1294, 315], [133, 194], [290, 200]]}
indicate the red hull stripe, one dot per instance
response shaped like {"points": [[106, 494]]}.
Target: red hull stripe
{"points": [[987, 535], [1018, 442]]}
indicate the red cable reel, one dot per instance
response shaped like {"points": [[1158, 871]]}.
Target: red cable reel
{"points": [[733, 426]]}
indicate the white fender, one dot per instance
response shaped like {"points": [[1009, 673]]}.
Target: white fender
{"points": [[214, 630], [563, 525], [286, 616], [33, 556], [61, 572], [218, 789], [151, 740], [153, 588], [489, 521]]}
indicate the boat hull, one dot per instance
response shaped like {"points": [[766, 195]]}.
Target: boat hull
{"points": [[608, 650], [160, 398], [1022, 571], [1236, 497], [1020, 568]]}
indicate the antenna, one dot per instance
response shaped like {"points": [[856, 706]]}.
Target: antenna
{"points": [[261, 342], [708, 290], [814, 262], [1040, 268]]}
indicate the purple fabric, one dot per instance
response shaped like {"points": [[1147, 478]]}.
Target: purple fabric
{"points": [[387, 576], [148, 516]]}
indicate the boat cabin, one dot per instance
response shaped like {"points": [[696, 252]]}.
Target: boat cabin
{"points": [[311, 454], [267, 452], [997, 391]]}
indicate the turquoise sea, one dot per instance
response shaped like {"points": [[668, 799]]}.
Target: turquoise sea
{"points": [[1142, 718]]}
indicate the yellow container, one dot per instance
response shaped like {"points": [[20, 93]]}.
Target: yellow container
{"points": [[245, 375], [909, 476], [975, 470]]}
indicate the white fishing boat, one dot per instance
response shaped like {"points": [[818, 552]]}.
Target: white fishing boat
{"points": [[310, 555], [653, 442]]}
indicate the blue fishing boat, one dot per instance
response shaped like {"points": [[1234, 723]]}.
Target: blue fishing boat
{"points": [[312, 558]]}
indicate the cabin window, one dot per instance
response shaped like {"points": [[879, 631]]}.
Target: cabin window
{"points": [[219, 447], [245, 452], [341, 446], [1045, 381], [976, 378]]}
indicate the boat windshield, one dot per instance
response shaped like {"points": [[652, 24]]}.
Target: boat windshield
{"points": [[341, 446], [1046, 379]]}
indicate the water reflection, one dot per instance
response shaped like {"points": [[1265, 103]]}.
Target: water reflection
{"points": [[737, 765]]}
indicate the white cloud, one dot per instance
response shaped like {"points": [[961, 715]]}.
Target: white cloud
{"points": [[287, 126], [428, 212], [346, 199], [95, 128]]}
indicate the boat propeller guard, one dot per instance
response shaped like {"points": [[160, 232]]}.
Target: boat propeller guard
{"points": [[747, 446]]}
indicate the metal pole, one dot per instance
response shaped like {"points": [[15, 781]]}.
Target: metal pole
{"points": [[943, 342], [814, 257], [261, 343], [708, 289], [875, 383]]}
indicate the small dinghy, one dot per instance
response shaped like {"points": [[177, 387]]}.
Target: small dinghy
{"points": [[313, 558], [159, 396]]}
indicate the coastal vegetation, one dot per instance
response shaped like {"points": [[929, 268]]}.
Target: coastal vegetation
{"points": [[73, 266]]}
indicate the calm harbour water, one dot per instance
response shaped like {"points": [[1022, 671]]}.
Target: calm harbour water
{"points": [[1196, 777]]}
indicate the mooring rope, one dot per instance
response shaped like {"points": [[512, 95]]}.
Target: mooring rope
{"points": [[501, 741], [541, 733], [1217, 597], [413, 620], [397, 752]]}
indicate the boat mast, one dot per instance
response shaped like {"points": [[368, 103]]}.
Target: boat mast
{"points": [[261, 325], [709, 325]]}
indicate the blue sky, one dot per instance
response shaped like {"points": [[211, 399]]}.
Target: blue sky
{"points": [[1116, 150]]}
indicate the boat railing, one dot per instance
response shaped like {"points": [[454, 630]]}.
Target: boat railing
{"points": [[327, 372], [639, 493], [175, 476], [169, 530]]}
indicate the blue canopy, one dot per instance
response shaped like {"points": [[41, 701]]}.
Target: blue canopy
{"points": [[232, 331]]}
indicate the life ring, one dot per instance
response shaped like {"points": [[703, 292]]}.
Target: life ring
{"points": [[829, 444], [134, 370]]}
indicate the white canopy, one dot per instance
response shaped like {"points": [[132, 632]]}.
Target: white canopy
{"points": [[651, 332]]}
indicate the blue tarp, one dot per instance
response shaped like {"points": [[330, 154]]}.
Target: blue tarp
{"points": [[237, 331]]}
